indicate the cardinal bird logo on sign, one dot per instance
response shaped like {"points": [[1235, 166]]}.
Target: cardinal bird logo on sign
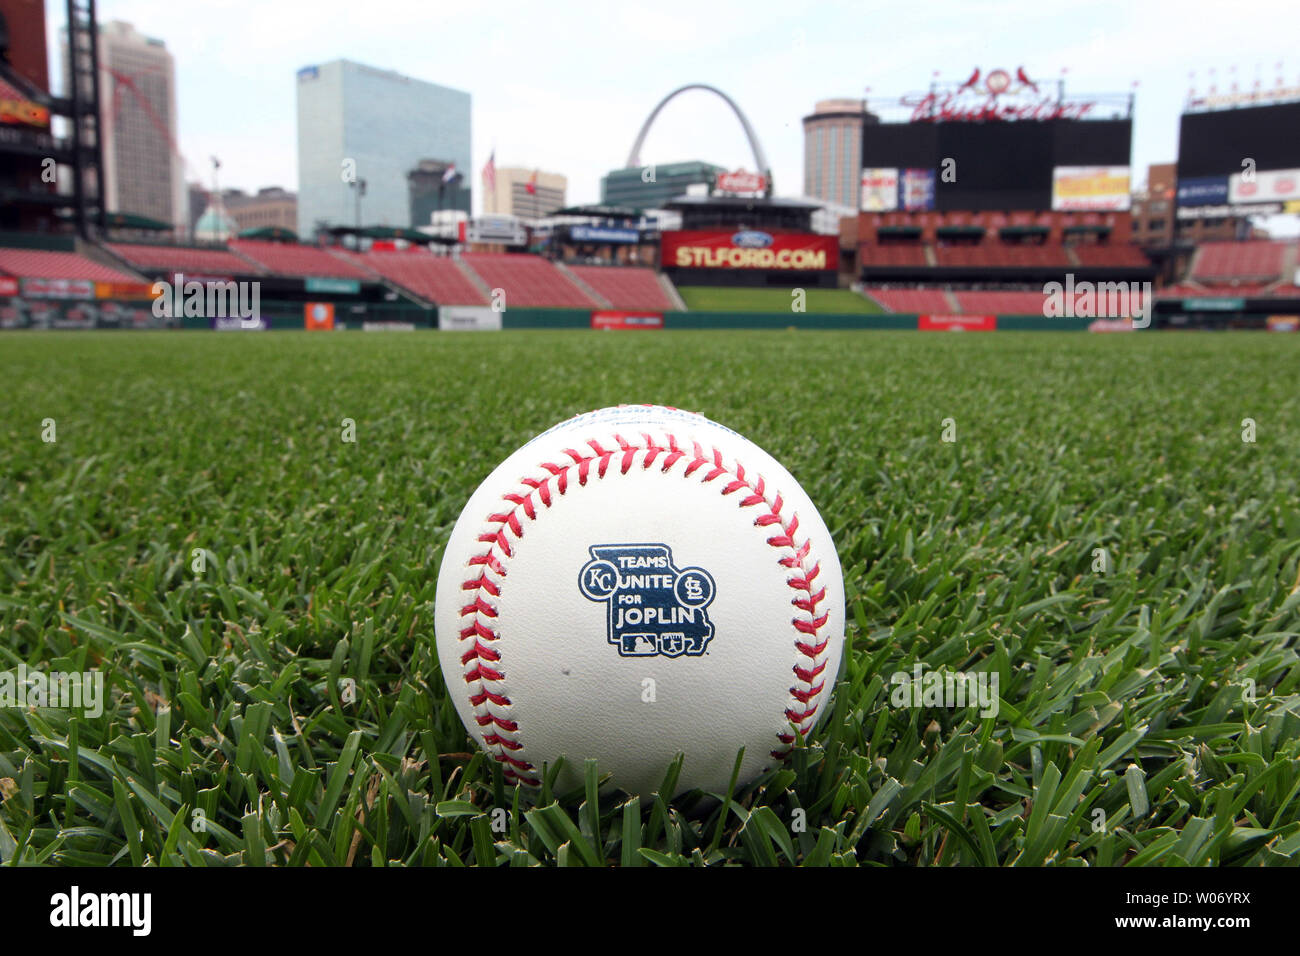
{"points": [[652, 607]]}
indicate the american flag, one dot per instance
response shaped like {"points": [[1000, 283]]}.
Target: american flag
{"points": [[490, 172]]}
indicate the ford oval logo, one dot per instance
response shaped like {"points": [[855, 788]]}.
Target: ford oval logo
{"points": [[751, 240]]}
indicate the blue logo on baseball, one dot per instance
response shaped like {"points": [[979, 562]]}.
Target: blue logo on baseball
{"points": [[652, 607]]}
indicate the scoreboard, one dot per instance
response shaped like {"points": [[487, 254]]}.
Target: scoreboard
{"points": [[1242, 161], [1008, 165]]}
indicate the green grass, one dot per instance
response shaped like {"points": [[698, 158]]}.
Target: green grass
{"points": [[1149, 714], [720, 299]]}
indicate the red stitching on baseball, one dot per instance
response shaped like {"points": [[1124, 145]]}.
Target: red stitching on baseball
{"points": [[504, 740]]}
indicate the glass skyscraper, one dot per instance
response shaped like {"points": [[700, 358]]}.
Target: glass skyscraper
{"points": [[378, 126]]}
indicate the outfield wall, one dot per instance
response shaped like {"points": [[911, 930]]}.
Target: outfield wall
{"points": [[285, 316], [581, 319]]}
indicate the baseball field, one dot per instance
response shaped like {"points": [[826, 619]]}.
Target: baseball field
{"points": [[1109, 525]]}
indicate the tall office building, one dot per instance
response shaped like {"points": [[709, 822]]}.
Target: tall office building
{"points": [[832, 163], [143, 171], [374, 126], [271, 207], [435, 188], [526, 193], [652, 185]]}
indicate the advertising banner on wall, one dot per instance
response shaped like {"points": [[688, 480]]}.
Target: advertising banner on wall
{"points": [[1203, 191], [1103, 188], [956, 323], [58, 289], [1278, 185], [332, 286], [496, 230], [916, 189], [318, 316], [1111, 325], [748, 249], [387, 325], [879, 190], [603, 234], [740, 181], [235, 323], [608, 319], [468, 318]]}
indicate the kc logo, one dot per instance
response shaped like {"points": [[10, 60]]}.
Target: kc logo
{"points": [[652, 607]]}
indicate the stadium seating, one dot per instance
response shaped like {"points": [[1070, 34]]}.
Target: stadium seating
{"points": [[983, 302], [528, 280], [1033, 303], [1001, 255], [625, 287], [1120, 256], [1000, 303], [929, 301], [1187, 290], [42, 264], [900, 254], [1222, 261], [436, 279], [292, 259], [182, 259]]}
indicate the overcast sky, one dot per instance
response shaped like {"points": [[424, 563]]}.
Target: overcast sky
{"points": [[564, 86]]}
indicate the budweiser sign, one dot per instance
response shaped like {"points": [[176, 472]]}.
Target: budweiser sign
{"points": [[741, 182], [995, 96]]}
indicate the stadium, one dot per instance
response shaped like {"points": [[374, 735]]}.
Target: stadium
{"points": [[1107, 523]]}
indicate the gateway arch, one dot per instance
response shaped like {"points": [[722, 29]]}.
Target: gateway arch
{"points": [[760, 160]]}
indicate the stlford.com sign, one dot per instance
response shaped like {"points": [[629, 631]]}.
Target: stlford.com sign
{"points": [[748, 249]]}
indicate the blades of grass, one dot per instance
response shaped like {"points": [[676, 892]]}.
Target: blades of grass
{"points": [[722, 811], [484, 849], [766, 820], [590, 810], [953, 826], [1136, 783], [338, 778], [131, 828], [631, 842]]}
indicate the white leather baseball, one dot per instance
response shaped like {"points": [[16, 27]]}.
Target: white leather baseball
{"points": [[635, 582]]}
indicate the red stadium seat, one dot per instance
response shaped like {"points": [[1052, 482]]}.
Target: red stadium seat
{"points": [[182, 259], [999, 255], [1001, 303], [436, 279], [528, 281], [921, 301], [1121, 256], [891, 254], [41, 264], [300, 261], [626, 287], [1255, 259]]}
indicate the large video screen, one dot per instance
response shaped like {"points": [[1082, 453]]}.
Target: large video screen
{"points": [[1239, 161], [1216, 144], [994, 165]]}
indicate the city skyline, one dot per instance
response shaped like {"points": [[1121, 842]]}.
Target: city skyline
{"points": [[578, 113]]}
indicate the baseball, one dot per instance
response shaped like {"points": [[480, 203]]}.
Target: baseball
{"points": [[636, 582]]}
